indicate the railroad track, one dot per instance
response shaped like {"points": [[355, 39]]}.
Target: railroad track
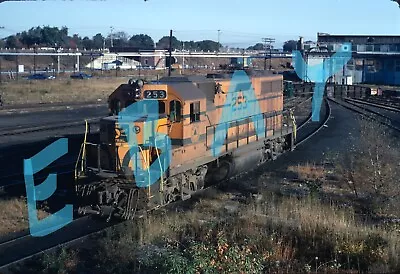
{"points": [[373, 104], [10, 110], [18, 185], [312, 128], [30, 129], [12, 175], [26, 247], [295, 102], [393, 101], [363, 110]]}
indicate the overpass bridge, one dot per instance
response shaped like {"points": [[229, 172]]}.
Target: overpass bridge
{"points": [[204, 54], [198, 54], [160, 55]]}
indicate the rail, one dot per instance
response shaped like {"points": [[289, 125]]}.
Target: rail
{"points": [[328, 113], [366, 112], [380, 105]]}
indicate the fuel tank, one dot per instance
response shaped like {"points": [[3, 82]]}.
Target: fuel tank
{"points": [[238, 162], [245, 161]]}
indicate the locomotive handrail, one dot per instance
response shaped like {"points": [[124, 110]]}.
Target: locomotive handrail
{"points": [[159, 162], [266, 115], [82, 151], [148, 169], [158, 156], [77, 162]]}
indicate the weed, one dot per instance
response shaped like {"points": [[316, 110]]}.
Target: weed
{"points": [[15, 215]]}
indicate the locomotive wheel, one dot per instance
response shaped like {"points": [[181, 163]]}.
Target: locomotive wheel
{"points": [[170, 197], [192, 186]]}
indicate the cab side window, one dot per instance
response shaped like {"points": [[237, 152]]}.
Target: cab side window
{"points": [[161, 107], [194, 112], [175, 111]]}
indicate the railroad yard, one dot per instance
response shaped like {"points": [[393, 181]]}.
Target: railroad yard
{"points": [[305, 183], [161, 137]]}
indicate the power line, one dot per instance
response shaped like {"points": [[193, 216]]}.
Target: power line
{"points": [[269, 41]]}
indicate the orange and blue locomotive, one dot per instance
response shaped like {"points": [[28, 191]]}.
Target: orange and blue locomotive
{"points": [[166, 140]]}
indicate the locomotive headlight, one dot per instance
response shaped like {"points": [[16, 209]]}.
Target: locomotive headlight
{"points": [[137, 129], [137, 93]]}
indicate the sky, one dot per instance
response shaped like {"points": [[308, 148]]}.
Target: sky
{"points": [[241, 22]]}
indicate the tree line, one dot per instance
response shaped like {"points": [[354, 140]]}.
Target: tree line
{"points": [[54, 37]]}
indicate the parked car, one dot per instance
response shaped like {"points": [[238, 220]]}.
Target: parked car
{"points": [[40, 76], [80, 75]]}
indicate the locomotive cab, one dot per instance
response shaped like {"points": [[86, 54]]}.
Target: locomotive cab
{"points": [[131, 125]]}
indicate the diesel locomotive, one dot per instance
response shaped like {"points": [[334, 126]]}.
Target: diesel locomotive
{"points": [[192, 129]]}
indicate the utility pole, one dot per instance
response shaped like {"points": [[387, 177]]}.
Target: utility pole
{"points": [[1, 57], [34, 58], [17, 64], [219, 36], [111, 36], [58, 58], [268, 41], [183, 57], [1, 27], [170, 53]]}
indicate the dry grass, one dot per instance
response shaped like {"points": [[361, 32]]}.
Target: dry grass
{"points": [[274, 233], [289, 231], [308, 172], [371, 170], [15, 215], [67, 90], [325, 231], [61, 90]]}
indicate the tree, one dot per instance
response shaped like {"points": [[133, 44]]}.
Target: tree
{"points": [[12, 42], [120, 39], [258, 46], [205, 45], [163, 43], [290, 45], [142, 41], [98, 41], [370, 169], [208, 45], [87, 43], [75, 41], [190, 45]]}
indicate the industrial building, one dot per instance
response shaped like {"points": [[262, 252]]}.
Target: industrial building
{"points": [[375, 58]]}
